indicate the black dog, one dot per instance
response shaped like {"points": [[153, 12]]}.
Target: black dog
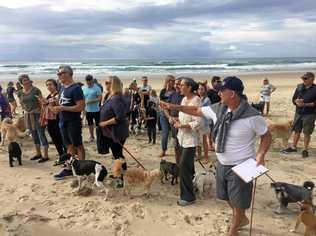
{"points": [[169, 168], [87, 167], [14, 152], [290, 193], [258, 106]]}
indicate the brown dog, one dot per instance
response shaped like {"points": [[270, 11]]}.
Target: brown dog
{"points": [[10, 131], [281, 131], [135, 176], [307, 218]]}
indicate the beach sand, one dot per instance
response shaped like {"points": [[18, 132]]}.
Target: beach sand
{"points": [[33, 203]]}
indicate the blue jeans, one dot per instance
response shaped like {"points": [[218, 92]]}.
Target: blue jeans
{"points": [[165, 126]]}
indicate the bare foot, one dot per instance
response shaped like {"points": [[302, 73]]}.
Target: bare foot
{"points": [[162, 154], [244, 222]]}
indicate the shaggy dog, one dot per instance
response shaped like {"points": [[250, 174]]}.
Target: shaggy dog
{"points": [[204, 181], [308, 218], [135, 176], [281, 130], [9, 131], [169, 168], [290, 193]]}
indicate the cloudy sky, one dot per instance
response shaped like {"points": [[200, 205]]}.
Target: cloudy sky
{"points": [[56, 29]]}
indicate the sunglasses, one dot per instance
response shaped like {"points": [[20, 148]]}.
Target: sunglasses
{"points": [[107, 82], [61, 73], [305, 78]]}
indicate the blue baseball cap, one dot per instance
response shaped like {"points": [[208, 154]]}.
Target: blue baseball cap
{"points": [[232, 83]]}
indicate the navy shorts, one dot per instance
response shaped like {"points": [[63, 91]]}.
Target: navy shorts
{"points": [[72, 133]]}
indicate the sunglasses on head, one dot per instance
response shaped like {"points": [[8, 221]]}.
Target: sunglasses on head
{"points": [[61, 73]]}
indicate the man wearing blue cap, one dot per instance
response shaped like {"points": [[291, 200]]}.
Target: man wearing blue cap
{"points": [[236, 126]]}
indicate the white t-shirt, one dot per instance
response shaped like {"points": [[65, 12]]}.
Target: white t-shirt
{"points": [[241, 137]]}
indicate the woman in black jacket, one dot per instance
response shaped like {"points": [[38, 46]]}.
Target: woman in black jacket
{"points": [[114, 120]]}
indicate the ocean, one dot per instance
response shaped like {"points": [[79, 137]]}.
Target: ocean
{"points": [[183, 66]]}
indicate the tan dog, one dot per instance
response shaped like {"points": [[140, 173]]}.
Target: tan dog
{"points": [[281, 131], [307, 218], [135, 177], [10, 131]]}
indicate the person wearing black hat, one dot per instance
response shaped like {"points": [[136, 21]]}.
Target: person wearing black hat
{"points": [[236, 126], [304, 99]]}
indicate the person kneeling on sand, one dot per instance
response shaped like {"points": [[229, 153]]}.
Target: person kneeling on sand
{"points": [[236, 125]]}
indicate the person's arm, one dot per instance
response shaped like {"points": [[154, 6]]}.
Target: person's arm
{"points": [[273, 88], [119, 109], [295, 95], [98, 99], [79, 107], [191, 110], [265, 142]]}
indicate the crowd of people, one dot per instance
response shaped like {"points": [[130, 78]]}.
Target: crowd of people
{"points": [[197, 116]]}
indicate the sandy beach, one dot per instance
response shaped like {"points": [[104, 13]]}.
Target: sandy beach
{"points": [[34, 204]]}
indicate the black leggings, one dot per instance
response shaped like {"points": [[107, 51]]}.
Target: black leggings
{"points": [[117, 150], [151, 132], [54, 132]]}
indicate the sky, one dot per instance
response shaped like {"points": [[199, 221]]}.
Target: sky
{"points": [[140, 29]]}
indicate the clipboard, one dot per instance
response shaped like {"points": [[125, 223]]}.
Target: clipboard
{"points": [[249, 171]]}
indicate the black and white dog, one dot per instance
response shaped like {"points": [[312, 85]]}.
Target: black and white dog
{"points": [[14, 151], [87, 167], [290, 193], [258, 106]]}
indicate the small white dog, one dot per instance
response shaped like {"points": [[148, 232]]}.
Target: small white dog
{"points": [[204, 182]]}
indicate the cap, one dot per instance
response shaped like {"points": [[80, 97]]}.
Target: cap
{"points": [[232, 83], [66, 68], [89, 77], [308, 75]]}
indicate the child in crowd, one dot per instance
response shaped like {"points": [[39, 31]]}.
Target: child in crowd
{"points": [[151, 118], [155, 99]]}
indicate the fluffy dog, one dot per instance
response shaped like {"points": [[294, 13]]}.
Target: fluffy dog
{"points": [[14, 152], [169, 168], [10, 131], [258, 106], [290, 193], [135, 176], [203, 181], [308, 218], [281, 130], [87, 167]]}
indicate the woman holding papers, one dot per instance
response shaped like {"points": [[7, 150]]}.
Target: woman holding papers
{"points": [[236, 125]]}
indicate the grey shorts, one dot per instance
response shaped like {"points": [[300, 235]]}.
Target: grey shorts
{"points": [[229, 187], [305, 123]]}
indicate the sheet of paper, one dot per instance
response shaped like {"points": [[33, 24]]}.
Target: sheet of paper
{"points": [[249, 170]]}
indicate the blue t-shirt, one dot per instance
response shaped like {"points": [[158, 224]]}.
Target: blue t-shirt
{"points": [[90, 94], [68, 97]]}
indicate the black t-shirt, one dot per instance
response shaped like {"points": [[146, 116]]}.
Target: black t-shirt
{"points": [[68, 97], [309, 96]]}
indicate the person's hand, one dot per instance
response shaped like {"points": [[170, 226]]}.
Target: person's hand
{"points": [[57, 109], [103, 123], [299, 102], [260, 159], [165, 105], [177, 125]]}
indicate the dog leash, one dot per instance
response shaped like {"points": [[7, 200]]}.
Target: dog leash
{"points": [[135, 159]]}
